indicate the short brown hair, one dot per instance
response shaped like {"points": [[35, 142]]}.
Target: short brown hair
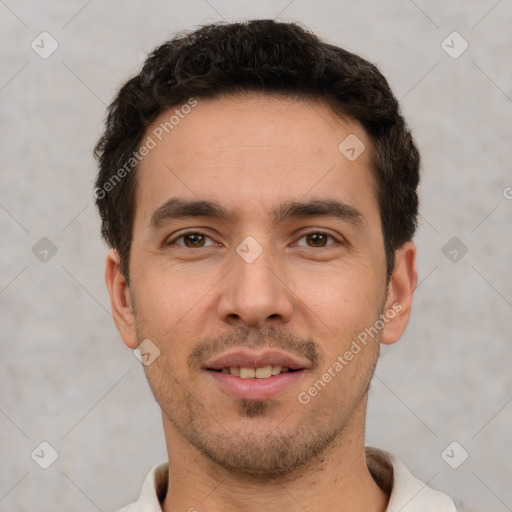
{"points": [[261, 56]]}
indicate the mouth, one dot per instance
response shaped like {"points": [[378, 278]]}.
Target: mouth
{"points": [[263, 372], [255, 376]]}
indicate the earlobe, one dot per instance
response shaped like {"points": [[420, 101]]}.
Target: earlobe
{"points": [[120, 300], [401, 288]]}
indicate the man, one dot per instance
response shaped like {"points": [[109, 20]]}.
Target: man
{"points": [[257, 188]]}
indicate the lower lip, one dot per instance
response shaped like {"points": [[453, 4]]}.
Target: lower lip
{"points": [[255, 389]]}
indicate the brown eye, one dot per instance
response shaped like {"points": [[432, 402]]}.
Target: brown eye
{"points": [[191, 240], [316, 239], [194, 240]]}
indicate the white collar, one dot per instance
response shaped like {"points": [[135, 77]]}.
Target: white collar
{"points": [[408, 494]]}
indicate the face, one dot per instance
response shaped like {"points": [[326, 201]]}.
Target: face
{"points": [[257, 263]]}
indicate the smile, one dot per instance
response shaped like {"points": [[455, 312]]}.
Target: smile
{"points": [[263, 372]]}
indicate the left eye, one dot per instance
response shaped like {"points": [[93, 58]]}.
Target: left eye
{"points": [[195, 240], [318, 239]]}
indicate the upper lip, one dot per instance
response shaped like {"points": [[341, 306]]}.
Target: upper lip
{"points": [[251, 359]]}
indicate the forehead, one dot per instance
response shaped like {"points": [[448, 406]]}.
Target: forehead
{"points": [[235, 148]]}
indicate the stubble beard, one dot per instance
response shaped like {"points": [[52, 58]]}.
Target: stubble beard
{"points": [[283, 452]]}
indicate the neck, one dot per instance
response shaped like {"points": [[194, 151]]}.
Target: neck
{"points": [[338, 479]]}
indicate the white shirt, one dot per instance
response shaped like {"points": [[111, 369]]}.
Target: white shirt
{"points": [[408, 494]]}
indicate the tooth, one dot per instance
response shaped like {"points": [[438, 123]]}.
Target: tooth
{"points": [[285, 370], [276, 370], [264, 372], [247, 373], [235, 370], [225, 370]]}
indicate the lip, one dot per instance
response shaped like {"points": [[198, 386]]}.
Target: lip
{"points": [[252, 359], [255, 389]]}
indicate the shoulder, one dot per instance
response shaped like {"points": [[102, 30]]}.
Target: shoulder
{"points": [[407, 493], [153, 491]]}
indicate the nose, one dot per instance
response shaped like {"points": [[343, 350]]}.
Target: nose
{"points": [[254, 293]]}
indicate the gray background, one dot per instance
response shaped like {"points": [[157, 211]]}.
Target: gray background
{"points": [[66, 377]]}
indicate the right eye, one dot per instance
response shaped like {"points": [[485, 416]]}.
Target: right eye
{"points": [[191, 240]]}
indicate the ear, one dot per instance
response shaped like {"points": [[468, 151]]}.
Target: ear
{"points": [[401, 288], [120, 300]]}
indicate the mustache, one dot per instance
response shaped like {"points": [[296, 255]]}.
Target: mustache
{"points": [[268, 337]]}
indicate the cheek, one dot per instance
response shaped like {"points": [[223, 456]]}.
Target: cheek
{"points": [[168, 307], [344, 300], [169, 313]]}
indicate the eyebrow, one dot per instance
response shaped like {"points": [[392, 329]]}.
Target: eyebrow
{"points": [[318, 208], [177, 208]]}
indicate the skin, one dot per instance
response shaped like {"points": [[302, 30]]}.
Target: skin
{"points": [[251, 154]]}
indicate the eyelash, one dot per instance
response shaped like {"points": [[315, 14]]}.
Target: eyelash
{"points": [[171, 242]]}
